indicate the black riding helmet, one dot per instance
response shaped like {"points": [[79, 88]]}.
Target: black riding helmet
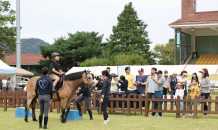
{"points": [[55, 54]]}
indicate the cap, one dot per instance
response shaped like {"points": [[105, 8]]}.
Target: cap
{"points": [[179, 84], [140, 70], [174, 72], [159, 72], [165, 72], [201, 71], [113, 75]]}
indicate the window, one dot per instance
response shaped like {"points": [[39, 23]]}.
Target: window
{"points": [[183, 47]]}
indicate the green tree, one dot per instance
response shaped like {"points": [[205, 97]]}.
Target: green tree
{"points": [[129, 36], [76, 48], [7, 29], [165, 53], [119, 59]]}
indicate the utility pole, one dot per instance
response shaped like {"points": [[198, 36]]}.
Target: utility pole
{"points": [[18, 42]]}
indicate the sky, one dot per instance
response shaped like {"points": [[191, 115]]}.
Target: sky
{"points": [[51, 19]]}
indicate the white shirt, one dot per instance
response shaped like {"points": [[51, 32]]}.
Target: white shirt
{"points": [[182, 79], [179, 93], [4, 83]]}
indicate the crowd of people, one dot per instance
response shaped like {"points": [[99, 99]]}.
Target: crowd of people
{"points": [[6, 84], [159, 83]]}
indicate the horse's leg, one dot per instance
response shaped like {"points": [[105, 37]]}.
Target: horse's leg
{"points": [[63, 107], [27, 108], [68, 108], [33, 109]]}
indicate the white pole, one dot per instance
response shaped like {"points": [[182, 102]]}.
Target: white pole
{"points": [[18, 42]]}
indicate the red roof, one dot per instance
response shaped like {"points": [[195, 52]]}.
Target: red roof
{"points": [[198, 18], [26, 59]]}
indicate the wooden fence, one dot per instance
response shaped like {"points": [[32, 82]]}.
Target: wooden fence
{"points": [[122, 103]]}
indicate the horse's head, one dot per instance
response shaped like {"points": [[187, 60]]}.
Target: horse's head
{"points": [[87, 79]]}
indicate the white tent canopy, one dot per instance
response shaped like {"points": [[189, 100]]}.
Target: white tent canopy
{"points": [[7, 71], [147, 69], [98, 71], [78, 69], [212, 69], [171, 68]]}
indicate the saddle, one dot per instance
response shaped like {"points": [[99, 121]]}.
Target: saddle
{"points": [[60, 83], [58, 86]]}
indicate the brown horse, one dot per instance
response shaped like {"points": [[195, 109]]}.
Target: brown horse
{"points": [[70, 85]]}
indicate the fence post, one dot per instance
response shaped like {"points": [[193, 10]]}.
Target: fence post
{"points": [[195, 107], [84, 107], [5, 101], [128, 105], [146, 106], [178, 107]]}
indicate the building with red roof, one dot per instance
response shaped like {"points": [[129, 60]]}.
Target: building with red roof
{"points": [[196, 34], [28, 61]]}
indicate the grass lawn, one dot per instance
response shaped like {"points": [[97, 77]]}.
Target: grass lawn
{"points": [[118, 121]]}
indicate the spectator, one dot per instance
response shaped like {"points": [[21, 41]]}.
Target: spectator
{"points": [[150, 84], [100, 83], [131, 78], [205, 87], [105, 95], [114, 83], [141, 81], [180, 93], [123, 83], [166, 80], [194, 92], [195, 76], [9, 84], [172, 83], [94, 79], [109, 71], [158, 91], [4, 84], [183, 80]]}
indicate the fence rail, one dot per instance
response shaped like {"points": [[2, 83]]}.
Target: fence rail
{"points": [[121, 103]]}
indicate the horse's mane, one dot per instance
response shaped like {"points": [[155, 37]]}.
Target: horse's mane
{"points": [[74, 76]]}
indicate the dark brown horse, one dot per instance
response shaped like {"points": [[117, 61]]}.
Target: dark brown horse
{"points": [[70, 85]]}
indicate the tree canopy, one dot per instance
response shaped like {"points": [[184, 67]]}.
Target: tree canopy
{"points": [[75, 48], [119, 59], [7, 29], [165, 52], [129, 36]]}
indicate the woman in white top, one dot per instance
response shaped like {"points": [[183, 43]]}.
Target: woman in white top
{"points": [[183, 80]]}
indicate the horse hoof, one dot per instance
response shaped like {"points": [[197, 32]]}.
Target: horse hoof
{"points": [[26, 120], [35, 120], [64, 122]]}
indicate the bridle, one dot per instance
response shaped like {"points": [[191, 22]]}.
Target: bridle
{"points": [[86, 80]]}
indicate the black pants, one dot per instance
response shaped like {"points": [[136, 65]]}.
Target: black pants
{"points": [[149, 96], [206, 95], [185, 92], [104, 106], [164, 91]]}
